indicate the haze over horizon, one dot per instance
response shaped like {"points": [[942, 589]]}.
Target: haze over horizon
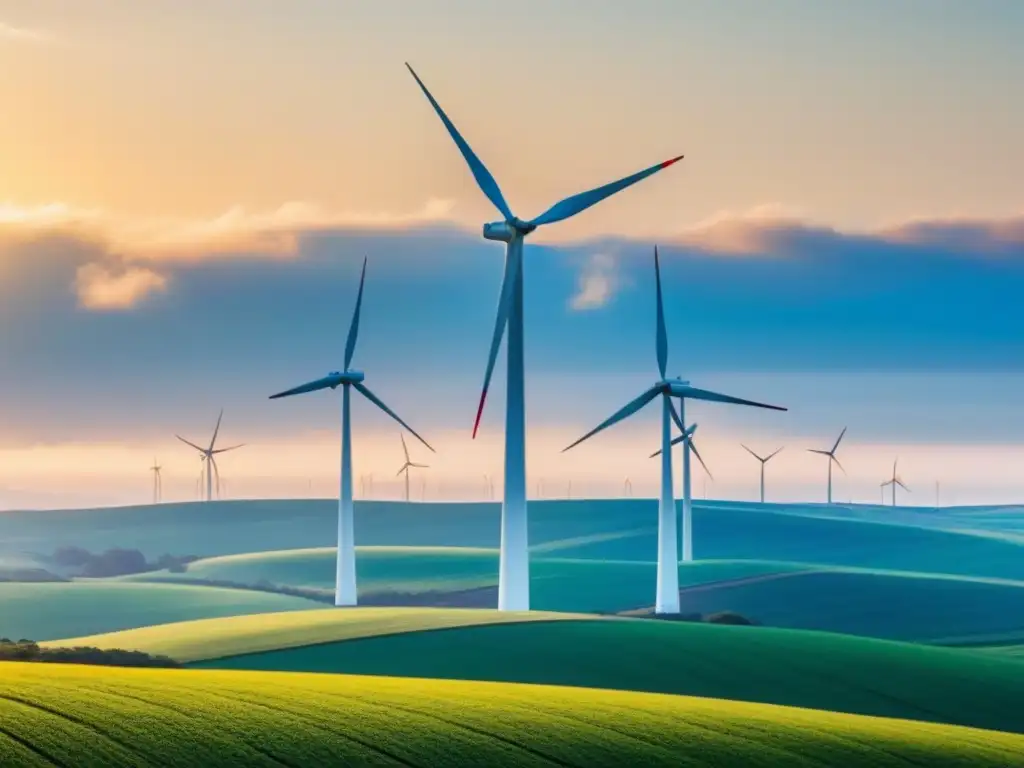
{"points": [[188, 190]]}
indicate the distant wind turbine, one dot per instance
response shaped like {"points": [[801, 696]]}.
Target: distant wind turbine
{"points": [[627, 488], [831, 458], [158, 484], [894, 481], [686, 528], [667, 589], [764, 460], [345, 579], [408, 465], [207, 457], [514, 565]]}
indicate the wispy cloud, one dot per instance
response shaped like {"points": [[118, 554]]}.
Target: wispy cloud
{"points": [[597, 283], [11, 32], [104, 288]]}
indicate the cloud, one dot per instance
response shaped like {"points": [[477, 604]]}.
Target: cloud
{"points": [[597, 283], [11, 32], [103, 288]]}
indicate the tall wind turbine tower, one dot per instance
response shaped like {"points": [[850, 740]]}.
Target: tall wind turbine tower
{"points": [[764, 460], [667, 594], [894, 481], [348, 379], [514, 568], [158, 483], [407, 466], [207, 454], [831, 458], [686, 527]]}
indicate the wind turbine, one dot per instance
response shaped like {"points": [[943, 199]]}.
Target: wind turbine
{"points": [[627, 488], [207, 457], [667, 594], [894, 481], [348, 379], [764, 460], [831, 458], [514, 568], [158, 483], [408, 465], [686, 529]]}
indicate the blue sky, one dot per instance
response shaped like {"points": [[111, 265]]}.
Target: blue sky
{"points": [[189, 189]]}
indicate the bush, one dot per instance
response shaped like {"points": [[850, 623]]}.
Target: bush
{"points": [[729, 617], [27, 650]]}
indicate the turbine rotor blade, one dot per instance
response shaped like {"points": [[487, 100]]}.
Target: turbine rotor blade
{"points": [[693, 448], [420, 466], [703, 394], [838, 440], [901, 485], [687, 435], [222, 450], [483, 177], [578, 203], [675, 416], [188, 442], [365, 392], [353, 329], [753, 454], [405, 448], [832, 456], [312, 386], [820, 453], [627, 410], [662, 334], [216, 429], [771, 455], [508, 282]]}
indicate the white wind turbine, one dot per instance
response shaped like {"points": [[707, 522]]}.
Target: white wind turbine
{"points": [[345, 582], [207, 454], [831, 458], [686, 531], [764, 460], [158, 483], [894, 481], [667, 594], [514, 568], [408, 465]]}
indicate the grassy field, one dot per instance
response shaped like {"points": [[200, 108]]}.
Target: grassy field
{"points": [[85, 716], [53, 610], [808, 669], [618, 529], [213, 638]]}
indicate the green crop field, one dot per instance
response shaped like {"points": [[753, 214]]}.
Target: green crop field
{"points": [[231, 636], [808, 669], [62, 609], [86, 716]]}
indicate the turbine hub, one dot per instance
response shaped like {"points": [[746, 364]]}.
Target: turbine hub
{"points": [[506, 231], [349, 377]]}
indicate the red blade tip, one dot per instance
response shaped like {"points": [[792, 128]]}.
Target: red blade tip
{"points": [[667, 163], [479, 412]]}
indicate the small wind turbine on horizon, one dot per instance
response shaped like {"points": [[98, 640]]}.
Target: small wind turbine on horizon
{"points": [[831, 458], [409, 464], [207, 459], [686, 514], [764, 460], [667, 589], [894, 481], [348, 379], [158, 483], [514, 565], [627, 488]]}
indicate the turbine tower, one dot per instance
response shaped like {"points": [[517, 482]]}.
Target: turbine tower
{"points": [[627, 488], [764, 460], [348, 379], [158, 483], [407, 466], [667, 594], [514, 568], [686, 529], [207, 459], [831, 458], [894, 481]]}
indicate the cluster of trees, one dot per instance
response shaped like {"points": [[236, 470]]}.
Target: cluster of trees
{"points": [[722, 617], [28, 650], [114, 562], [320, 595]]}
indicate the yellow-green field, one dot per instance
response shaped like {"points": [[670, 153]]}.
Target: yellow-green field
{"points": [[86, 716], [237, 635]]}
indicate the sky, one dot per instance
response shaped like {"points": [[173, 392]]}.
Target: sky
{"points": [[188, 190]]}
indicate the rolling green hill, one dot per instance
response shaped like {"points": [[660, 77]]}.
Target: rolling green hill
{"points": [[51, 610], [807, 669], [87, 716]]}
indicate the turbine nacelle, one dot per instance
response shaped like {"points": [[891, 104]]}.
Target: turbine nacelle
{"points": [[507, 231], [345, 377]]}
